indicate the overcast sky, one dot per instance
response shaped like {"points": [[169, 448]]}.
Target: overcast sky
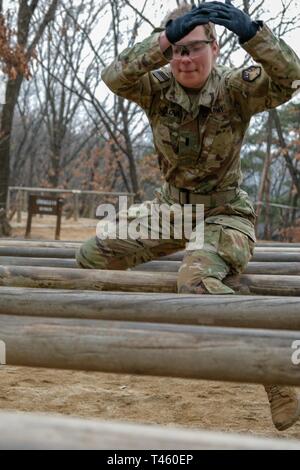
{"points": [[158, 8]]}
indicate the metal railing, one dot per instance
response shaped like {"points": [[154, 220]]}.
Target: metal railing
{"points": [[23, 192]]}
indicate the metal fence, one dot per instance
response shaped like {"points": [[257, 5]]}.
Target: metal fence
{"points": [[22, 194]]}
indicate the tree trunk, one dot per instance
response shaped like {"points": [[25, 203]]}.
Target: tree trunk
{"points": [[25, 14], [12, 92], [265, 172]]}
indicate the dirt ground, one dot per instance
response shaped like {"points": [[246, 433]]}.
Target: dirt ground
{"points": [[178, 402]]}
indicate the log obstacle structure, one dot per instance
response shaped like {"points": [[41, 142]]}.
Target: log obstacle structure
{"points": [[68, 252], [185, 351], [277, 313], [13, 242], [54, 315], [37, 432], [283, 268], [136, 281]]}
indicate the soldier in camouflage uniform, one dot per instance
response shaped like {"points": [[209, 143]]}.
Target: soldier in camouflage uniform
{"points": [[199, 113]]}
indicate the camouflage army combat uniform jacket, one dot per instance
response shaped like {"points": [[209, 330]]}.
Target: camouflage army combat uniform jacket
{"points": [[198, 144]]}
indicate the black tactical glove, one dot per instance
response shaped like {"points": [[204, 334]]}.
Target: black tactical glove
{"points": [[180, 27], [225, 14]]}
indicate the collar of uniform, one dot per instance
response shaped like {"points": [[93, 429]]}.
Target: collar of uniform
{"points": [[207, 94], [176, 94]]}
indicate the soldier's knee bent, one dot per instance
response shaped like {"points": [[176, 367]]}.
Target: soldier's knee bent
{"points": [[226, 251], [90, 255], [236, 248], [201, 269]]}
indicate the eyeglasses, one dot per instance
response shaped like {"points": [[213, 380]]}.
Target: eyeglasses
{"points": [[192, 50]]}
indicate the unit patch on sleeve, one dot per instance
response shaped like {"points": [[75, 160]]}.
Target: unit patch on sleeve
{"points": [[251, 73]]}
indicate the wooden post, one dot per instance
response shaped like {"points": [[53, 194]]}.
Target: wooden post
{"points": [[76, 205], [8, 202], [91, 212], [60, 203], [44, 205], [30, 212], [19, 206]]}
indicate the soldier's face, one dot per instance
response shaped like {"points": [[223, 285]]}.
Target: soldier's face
{"points": [[192, 72]]}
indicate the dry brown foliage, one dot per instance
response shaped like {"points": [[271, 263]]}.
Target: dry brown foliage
{"points": [[14, 58]]}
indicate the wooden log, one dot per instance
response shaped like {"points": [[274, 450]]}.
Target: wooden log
{"points": [[28, 431], [21, 242], [228, 311], [265, 257], [209, 353], [283, 268], [69, 253], [58, 244], [63, 278], [38, 252], [135, 281], [252, 268], [42, 262], [64, 251], [16, 242]]}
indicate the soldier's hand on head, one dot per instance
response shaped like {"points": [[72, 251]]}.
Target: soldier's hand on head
{"points": [[178, 28], [227, 15]]}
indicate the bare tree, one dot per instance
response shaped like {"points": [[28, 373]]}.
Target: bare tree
{"points": [[29, 33]]}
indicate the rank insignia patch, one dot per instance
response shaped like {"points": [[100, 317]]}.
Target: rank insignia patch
{"points": [[161, 75], [251, 73]]}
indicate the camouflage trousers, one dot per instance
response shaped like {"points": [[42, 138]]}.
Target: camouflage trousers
{"points": [[229, 239]]}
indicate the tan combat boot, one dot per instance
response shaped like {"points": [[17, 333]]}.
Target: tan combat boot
{"points": [[284, 404]]}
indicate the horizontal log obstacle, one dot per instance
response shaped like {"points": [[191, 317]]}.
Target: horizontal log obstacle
{"points": [[228, 311], [252, 268], [264, 257], [29, 243], [135, 281], [75, 243], [42, 262], [37, 252], [28, 431], [63, 278], [154, 266], [69, 253], [195, 352]]}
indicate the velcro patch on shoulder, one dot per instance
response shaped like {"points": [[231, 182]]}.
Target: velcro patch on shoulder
{"points": [[251, 73], [161, 75]]}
